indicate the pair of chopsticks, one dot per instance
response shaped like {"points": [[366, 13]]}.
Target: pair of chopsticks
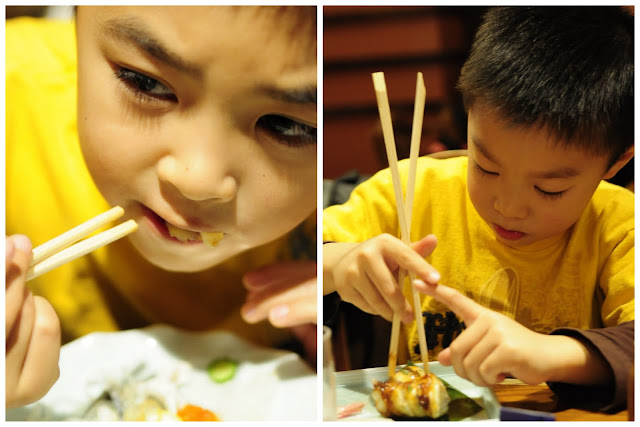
{"points": [[405, 209], [58, 250]]}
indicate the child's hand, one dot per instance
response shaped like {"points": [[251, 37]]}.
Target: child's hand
{"points": [[365, 274], [494, 346], [286, 294], [32, 332]]}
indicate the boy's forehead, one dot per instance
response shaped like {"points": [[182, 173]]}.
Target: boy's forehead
{"points": [[495, 120], [199, 34], [488, 122], [502, 141], [286, 22]]}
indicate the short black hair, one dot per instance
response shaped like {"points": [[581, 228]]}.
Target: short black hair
{"points": [[568, 70]]}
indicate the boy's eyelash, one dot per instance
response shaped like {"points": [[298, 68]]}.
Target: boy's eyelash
{"points": [[550, 195], [483, 171], [288, 131], [546, 194], [142, 86]]}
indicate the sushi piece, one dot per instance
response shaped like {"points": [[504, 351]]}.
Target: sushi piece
{"points": [[121, 404], [411, 392], [143, 395]]}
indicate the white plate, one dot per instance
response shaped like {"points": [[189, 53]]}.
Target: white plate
{"points": [[269, 384], [356, 386]]}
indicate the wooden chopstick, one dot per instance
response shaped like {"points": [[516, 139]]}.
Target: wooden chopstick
{"points": [[404, 209], [382, 99], [416, 134], [380, 88], [58, 251], [395, 331], [69, 237]]}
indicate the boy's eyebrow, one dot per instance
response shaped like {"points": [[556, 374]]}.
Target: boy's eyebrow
{"points": [[484, 151], [307, 95], [130, 28]]}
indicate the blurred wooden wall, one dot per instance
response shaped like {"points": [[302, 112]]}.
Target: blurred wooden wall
{"points": [[400, 41]]}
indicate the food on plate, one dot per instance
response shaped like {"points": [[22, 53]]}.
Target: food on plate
{"points": [[222, 369], [209, 239], [196, 413], [411, 392], [350, 409], [145, 396]]}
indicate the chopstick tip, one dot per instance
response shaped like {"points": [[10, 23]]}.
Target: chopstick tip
{"points": [[379, 84]]}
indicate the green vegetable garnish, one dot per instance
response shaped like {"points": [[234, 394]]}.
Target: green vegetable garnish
{"points": [[222, 369], [461, 406]]}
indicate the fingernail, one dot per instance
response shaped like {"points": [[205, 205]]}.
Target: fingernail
{"points": [[253, 280], [280, 312], [249, 313], [22, 243], [434, 277]]}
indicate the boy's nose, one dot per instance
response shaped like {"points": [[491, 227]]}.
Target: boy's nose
{"points": [[197, 179], [510, 207]]}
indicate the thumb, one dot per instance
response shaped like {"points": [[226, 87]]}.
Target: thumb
{"points": [[426, 245]]}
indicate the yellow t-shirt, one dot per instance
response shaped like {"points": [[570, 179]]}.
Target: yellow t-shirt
{"points": [[49, 190], [583, 280]]}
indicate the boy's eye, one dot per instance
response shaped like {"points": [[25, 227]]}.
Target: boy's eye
{"points": [[550, 194], [144, 87], [483, 171], [288, 131]]}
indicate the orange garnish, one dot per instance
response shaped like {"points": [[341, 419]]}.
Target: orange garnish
{"points": [[196, 413]]}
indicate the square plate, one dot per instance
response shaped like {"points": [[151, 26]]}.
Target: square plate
{"points": [[356, 386], [269, 385]]}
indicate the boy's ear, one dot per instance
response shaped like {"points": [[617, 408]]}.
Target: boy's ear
{"points": [[623, 160]]}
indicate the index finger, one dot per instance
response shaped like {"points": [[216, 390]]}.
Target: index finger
{"points": [[461, 305], [406, 257]]}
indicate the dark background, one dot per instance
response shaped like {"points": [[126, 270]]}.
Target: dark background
{"points": [[400, 41]]}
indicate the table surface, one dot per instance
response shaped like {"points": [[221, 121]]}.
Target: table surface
{"points": [[515, 393]]}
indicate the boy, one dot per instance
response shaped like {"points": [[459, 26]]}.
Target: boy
{"points": [[525, 225], [193, 119]]}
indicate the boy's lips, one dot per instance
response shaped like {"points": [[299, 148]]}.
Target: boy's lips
{"points": [[178, 234], [508, 234]]}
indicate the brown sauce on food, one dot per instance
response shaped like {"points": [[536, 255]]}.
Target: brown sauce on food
{"points": [[408, 381]]}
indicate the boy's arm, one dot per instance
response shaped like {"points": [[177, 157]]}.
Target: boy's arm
{"points": [[615, 348], [494, 346]]}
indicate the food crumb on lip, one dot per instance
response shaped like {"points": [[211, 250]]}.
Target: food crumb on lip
{"points": [[212, 239]]}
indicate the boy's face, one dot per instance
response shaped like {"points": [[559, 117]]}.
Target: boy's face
{"points": [[201, 117], [526, 188]]}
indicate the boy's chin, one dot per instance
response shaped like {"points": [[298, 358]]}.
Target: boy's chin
{"points": [[189, 261], [178, 266], [531, 242]]}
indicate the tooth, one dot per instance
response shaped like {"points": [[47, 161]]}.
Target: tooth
{"points": [[212, 239], [180, 234]]}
